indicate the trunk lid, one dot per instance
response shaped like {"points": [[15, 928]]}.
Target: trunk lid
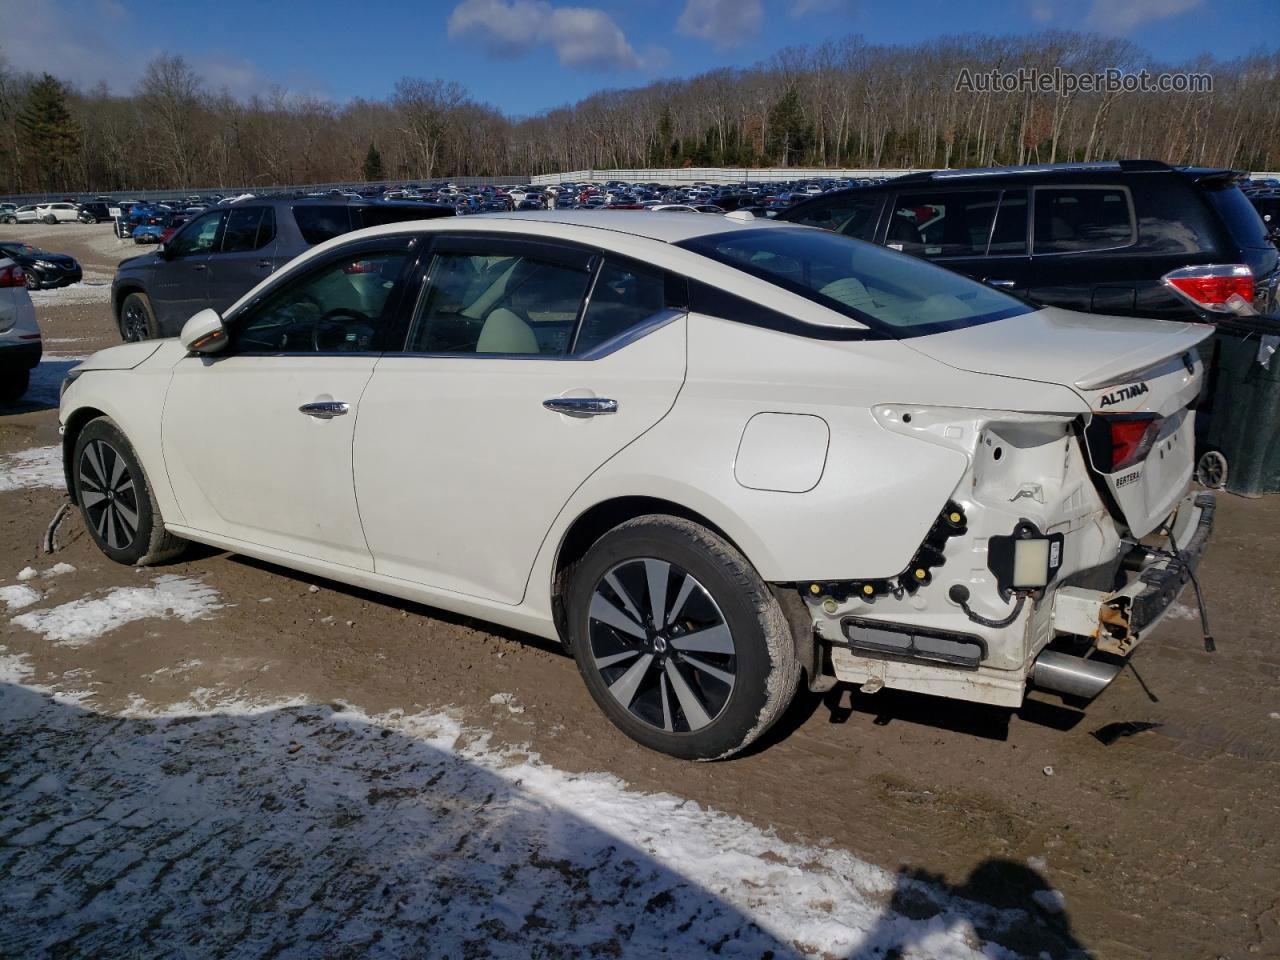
{"points": [[1137, 376]]}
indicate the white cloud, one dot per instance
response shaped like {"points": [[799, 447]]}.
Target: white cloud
{"points": [[809, 8], [580, 36], [1108, 16], [726, 23]]}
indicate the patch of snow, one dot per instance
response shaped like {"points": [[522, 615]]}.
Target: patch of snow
{"points": [[27, 573], [1050, 901], [18, 596], [316, 824], [58, 569], [507, 700], [82, 621], [1179, 611], [37, 467], [14, 667], [83, 292]]}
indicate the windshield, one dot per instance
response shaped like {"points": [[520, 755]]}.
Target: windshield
{"points": [[888, 291], [25, 249]]}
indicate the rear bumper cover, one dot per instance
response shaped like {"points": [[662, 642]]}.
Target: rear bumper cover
{"points": [[1163, 581], [21, 356]]}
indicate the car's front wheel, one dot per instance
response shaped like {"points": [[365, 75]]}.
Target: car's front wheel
{"points": [[679, 641], [137, 319], [116, 499], [33, 280]]}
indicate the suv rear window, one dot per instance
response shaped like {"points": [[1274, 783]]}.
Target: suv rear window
{"points": [[320, 222], [1240, 216], [1076, 219], [885, 290]]}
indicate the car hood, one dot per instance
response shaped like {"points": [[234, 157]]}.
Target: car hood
{"points": [[124, 357], [1075, 350]]}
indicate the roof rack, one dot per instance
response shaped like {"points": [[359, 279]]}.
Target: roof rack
{"points": [[1127, 165]]}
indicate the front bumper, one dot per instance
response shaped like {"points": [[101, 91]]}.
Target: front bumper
{"points": [[1120, 621], [59, 276]]}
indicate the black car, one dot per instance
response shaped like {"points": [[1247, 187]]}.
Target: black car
{"points": [[94, 211], [43, 269], [224, 252], [1130, 237]]}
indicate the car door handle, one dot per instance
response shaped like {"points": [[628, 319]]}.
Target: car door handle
{"points": [[999, 283], [581, 406], [264, 263], [325, 409]]}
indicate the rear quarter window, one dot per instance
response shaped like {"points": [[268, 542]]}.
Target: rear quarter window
{"points": [[318, 223], [1238, 214]]}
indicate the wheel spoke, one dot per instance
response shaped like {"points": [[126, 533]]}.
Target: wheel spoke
{"points": [[606, 612], [624, 688], [625, 597], [109, 516], [693, 709], [682, 598], [95, 461], [666, 704], [117, 469], [715, 639], [92, 498], [721, 675], [128, 519], [657, 572], [609, 661]]}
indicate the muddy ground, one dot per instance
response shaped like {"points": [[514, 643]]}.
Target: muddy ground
{"points": [[1164, 842]]}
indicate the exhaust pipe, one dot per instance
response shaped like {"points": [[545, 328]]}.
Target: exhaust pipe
{"points": [[1074, 676]]}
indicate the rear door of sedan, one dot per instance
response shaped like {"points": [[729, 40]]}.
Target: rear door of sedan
{"points": [[527, 365]]}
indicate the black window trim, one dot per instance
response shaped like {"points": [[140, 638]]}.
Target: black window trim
{"points": [[1123, 188], [397, 244], [566, 252]]}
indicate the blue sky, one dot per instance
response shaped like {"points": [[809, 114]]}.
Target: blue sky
{"points": [[527, 55]]}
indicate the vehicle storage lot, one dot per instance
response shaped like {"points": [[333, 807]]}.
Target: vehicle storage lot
{"points": [[359, 780]]}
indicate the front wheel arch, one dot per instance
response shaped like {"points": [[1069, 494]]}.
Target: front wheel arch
{"points": [[77, 420]]}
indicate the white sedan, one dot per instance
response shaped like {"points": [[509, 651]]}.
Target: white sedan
{"points": [[717, 457]]}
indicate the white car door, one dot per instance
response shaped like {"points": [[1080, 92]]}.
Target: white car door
{"points": [[257, 439], [508, 397]]}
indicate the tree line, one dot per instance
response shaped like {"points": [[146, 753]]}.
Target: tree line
{"points": [[840, 103]]}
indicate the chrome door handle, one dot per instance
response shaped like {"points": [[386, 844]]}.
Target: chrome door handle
{"points": [[581, 406], [999, 283], [325, 409]]}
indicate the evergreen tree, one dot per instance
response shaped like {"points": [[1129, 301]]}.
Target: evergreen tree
{"points": [[51, 135], [373, 164], [663, 148], [788, 131]]}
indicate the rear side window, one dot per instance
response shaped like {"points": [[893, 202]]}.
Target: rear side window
{"points": [[955, 224], [851, 215], [1076, 219], [320, 222], [1009, 237], [625, 296], [1240, 216]]}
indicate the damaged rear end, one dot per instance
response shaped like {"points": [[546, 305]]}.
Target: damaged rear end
{"points": [[1070, 533]]}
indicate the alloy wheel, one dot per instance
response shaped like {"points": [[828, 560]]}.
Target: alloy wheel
{"points": [[133, 324], [109, 494], [661, 645]]}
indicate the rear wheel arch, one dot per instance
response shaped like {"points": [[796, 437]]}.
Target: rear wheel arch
{"points": [[596, 521]]}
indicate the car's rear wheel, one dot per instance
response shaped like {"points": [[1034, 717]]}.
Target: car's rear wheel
{"points": [[680, 642], [50, 219], [33, 280], [116, 499], [137, 319]]}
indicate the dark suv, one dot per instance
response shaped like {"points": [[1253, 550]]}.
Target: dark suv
{"points": [[1132, 238], [224, 252]]}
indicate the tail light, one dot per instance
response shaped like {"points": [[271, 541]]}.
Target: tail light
{"points": [[1117, 442], [1217, 288], [361, 266], [12, 276]]}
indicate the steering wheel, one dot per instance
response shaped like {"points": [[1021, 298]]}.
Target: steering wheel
{"points": [[337, 319]]}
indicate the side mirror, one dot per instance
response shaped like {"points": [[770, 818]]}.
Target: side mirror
{"points": [[204, 332]]}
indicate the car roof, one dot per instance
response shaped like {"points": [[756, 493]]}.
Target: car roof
{"points": [[650, 224]]}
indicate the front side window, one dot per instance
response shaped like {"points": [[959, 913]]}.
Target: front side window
{"points": [[890, 293], [1076, 219], [197, 237], [498, 302], [853, 216], [340, 307], [242, 230], [954, 224]]}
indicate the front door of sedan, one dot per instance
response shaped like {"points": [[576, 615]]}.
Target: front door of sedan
{"points": [[257, 439], [509, 396]]}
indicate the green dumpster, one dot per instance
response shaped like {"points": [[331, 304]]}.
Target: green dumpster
{"points": [[1242, 441]]}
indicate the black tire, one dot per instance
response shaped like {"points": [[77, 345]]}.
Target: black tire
{"points": [[33, 280], [727, 595], [14, 382], [116, 500], [50, 219], [137, 319]]}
